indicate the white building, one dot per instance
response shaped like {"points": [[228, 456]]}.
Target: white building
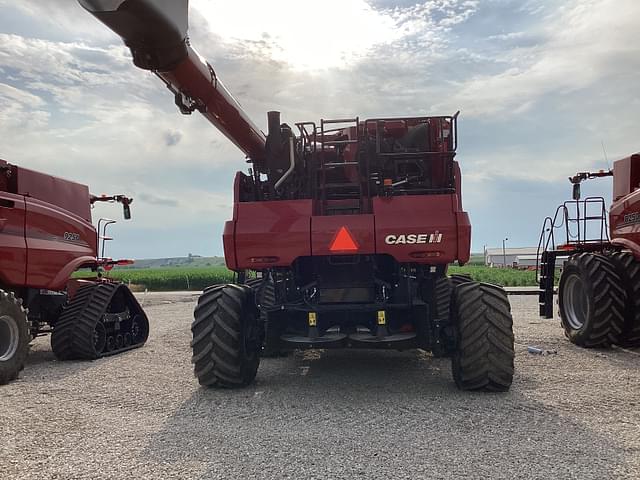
{"points": [[511, 257]]}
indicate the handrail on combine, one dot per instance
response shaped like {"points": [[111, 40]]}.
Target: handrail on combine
{"points": [[581, 221]]}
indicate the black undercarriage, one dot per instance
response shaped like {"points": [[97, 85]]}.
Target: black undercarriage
{"points": [[360, 301]]}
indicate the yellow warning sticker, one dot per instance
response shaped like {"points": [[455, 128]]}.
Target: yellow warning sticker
{"points": [[312, 319], [382, 317]]}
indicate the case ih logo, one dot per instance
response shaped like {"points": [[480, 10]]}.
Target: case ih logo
{"points": [[413, 238]]}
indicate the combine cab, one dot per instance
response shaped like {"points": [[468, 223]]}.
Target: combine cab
{"points": [[349, 224], [599, 292], [46, 235]]}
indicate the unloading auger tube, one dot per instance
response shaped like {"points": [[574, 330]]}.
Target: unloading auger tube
{"points": [[156, 33]]}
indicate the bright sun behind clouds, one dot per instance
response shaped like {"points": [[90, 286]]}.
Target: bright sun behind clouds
{"points": [[330, 35]]}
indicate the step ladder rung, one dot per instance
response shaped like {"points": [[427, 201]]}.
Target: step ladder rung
{"points": [[339, 120], [339, 164], [340, 142]]}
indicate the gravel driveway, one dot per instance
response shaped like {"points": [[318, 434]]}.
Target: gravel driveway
{"points": [[322, 414]]}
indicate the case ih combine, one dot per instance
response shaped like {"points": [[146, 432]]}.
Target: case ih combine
{"points": [[349, 223], [45, 235], [599, 292]]}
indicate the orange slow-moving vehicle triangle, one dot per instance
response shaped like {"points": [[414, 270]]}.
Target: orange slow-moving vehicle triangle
{"points": [[343, 242]]}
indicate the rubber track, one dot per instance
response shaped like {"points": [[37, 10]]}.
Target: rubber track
{"points": [[629, 271], [72, 337], [9, 302], [218, 352], [608, 297], [484, 354]]}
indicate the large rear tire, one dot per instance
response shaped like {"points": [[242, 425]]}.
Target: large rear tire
{"points": [[459, 278], [629, 270], [483, 359], [591, 299], [14, 336], [226, 337]]}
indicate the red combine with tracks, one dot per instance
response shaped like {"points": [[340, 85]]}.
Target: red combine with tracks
{"points": [[599, 292], [46, 235], [349, 224]]}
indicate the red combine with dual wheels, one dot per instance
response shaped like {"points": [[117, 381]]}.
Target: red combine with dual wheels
{"points": [[46, 235], [349, 224], [599, 291]]}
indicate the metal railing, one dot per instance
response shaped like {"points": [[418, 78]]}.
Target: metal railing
{"points": [[575, 217]]}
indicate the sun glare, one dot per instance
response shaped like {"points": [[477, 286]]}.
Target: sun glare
{"points": [[307, 36]]}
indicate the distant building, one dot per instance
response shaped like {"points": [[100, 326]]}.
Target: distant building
{"points": [[511, 257]]}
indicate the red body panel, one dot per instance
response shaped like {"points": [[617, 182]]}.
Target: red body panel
{"points": [[361, 228], [269, 234], [417, 215], [13, 246], [64, 194], [276, 232], [625, 209], [45, 229], [54, 250]]}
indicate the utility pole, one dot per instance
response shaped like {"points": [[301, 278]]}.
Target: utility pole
{"points": [[504, 253]]}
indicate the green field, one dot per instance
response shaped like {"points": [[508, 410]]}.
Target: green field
{"points": [[173, 278], [197, 278], [507, 277]]}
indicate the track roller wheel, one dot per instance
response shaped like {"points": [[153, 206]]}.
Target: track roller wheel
{"points": [[14, 336], [483, 359], [629, 270], [226, 337], [591, 299]]}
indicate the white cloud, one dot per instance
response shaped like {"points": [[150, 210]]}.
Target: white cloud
{"points": [[585, 42], [335, 35]]}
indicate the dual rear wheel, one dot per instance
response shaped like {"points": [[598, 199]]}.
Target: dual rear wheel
{"points": [[484, 343], [599, 299], [227, 337]]}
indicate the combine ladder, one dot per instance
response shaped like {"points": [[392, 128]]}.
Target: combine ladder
{"points": [[331, 193]]}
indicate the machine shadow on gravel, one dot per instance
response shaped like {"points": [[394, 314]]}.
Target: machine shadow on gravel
{"points": [[363, 407]]}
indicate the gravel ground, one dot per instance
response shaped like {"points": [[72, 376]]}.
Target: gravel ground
{"points": [[322, 414]]}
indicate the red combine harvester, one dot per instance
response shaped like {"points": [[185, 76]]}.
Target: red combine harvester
{"points": [[350, 225], [599, 292], [45, 235]]}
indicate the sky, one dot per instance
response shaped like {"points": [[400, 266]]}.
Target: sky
{"points": [[542, 87]]}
